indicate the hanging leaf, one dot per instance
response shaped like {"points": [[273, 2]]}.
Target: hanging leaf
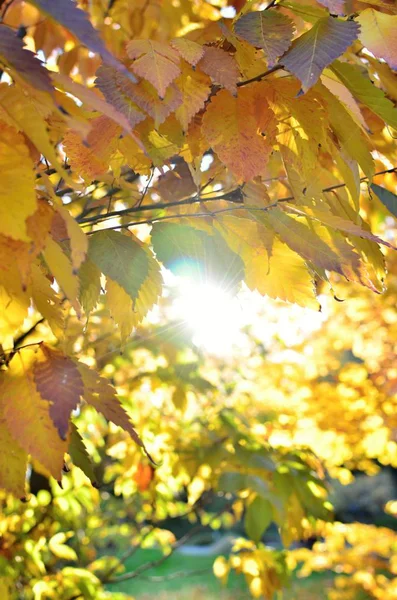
{"points": [[17, 175], [21, 62], [189, 51], [366, 92], [67, 14], [79, 454], [102, 396], [267, 29], [120, 257], [26, 414], [59, 382], [387, 198], [13, 462], [379, 34], [300, 238], [317, 48], [232, 128], [119, 92], [258, 517], [155, 61], [62, 269], [195, 88], [189, 251], [221, 67]]}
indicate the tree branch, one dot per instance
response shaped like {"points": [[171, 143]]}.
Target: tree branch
{"points": [[235, 196]]}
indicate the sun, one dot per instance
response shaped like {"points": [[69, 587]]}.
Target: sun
{"points": [[218, 320], [214, 316]]}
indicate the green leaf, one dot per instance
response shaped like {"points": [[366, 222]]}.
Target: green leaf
{"points": [[267, 29], [319, 47], [232, 482], [90, 285], [258, 516], [202, 254], [387, 198], [365, 91], [258, 485], [79, 455], [120, 257]]}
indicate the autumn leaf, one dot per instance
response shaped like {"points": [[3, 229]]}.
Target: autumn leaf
{"points": [[119, 92], [379, 34], [91, 156], [100, 394], [21, 62], [155, 61], [67, 14], [128, 312], [335, 7], [26, 414], [90, 285], [61, 268], [190, 51], [232, 128], [195, 88], [300, 238], [79, 454], [221, 67], [319, 47], [16, 174], [366, 92], [267, 29], [13, 462], [57, 381]]}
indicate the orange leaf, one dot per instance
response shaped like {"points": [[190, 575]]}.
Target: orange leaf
{"points": [[232, 128], [155, 61]]}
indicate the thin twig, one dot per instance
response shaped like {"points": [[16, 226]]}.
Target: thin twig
{"points": [[229, 197], [156, 563], [260, 76]]}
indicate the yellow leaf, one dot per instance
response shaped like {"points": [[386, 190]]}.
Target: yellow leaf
{"points": [[349, 134], [75, 236], [58, 547], [284, 276], [379, 34], [62, 269], [17, 194], [21, 112], [195, 87], [190, 51], [26, 414], [13, 463]]}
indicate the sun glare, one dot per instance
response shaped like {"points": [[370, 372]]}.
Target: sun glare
{"points": [[213, 315], [217, 319]]}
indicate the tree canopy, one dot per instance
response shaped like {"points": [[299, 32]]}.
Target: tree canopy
{"points": [[239, 143]]}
